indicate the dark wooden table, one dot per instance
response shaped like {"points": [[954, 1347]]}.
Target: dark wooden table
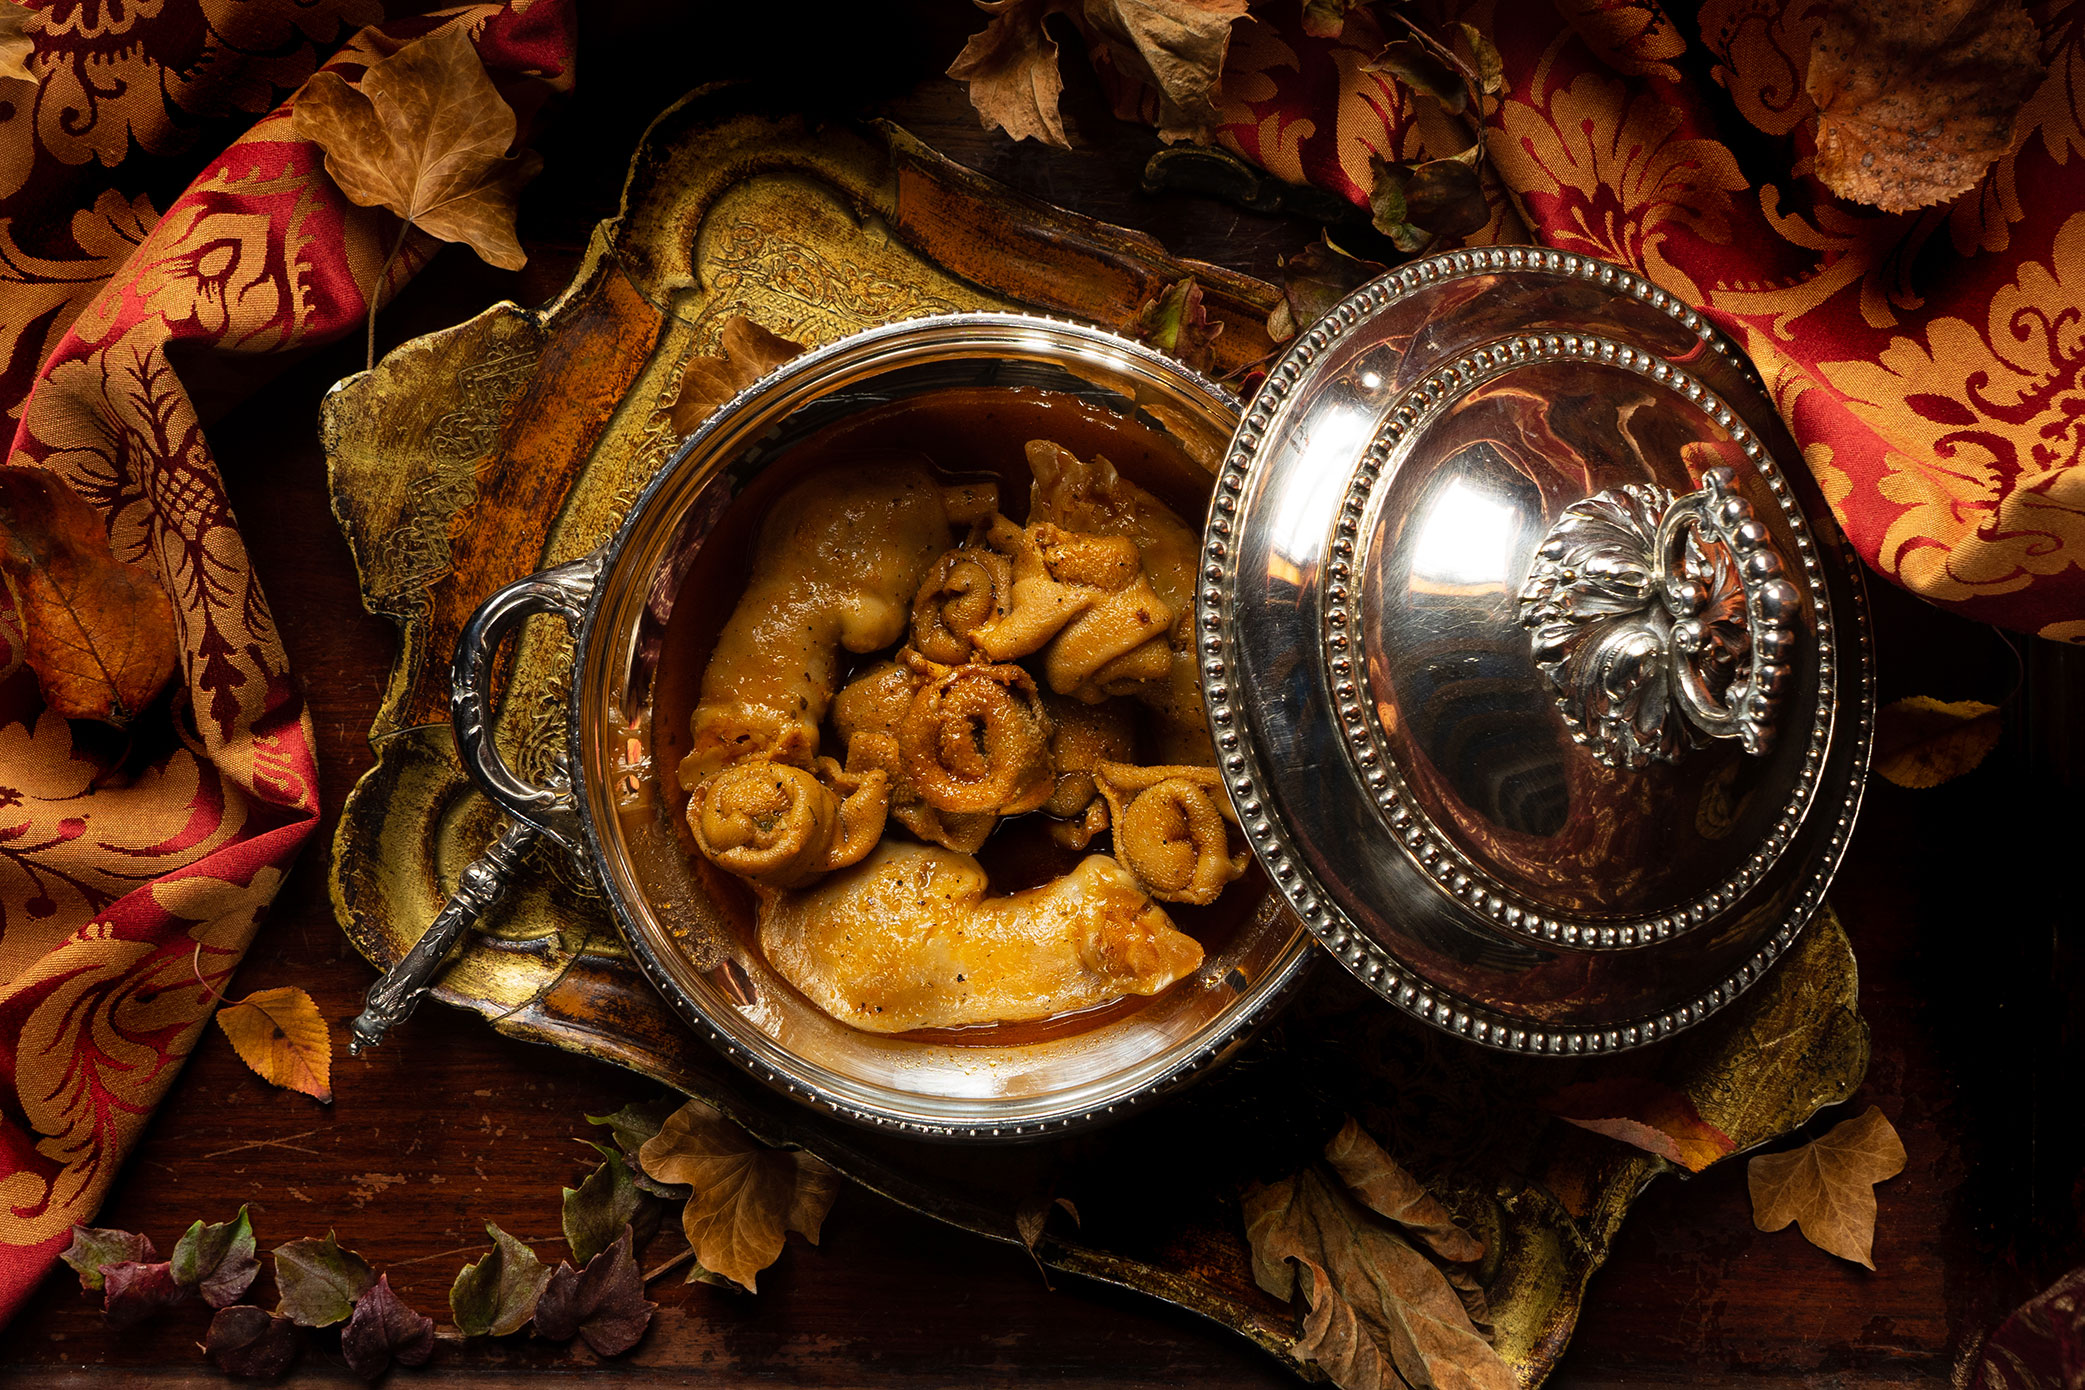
{"points": [[1960, 901]]}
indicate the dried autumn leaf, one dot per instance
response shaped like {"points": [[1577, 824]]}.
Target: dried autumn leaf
{"points": [[1828, 1185], [217, 1261], [498, 1294], [134, 1290], [319, 1282], [1323, 19], [1011, 69], [606, 1202], [605, 1304], [247, 1341], [1175, 47], [746, 1197], [1313, 282], [384, 1330], [1644, 1114], [1922, 742], [1415, 65], [1378, 1308], [1387, 1189], [746, 353], [1175, 321], [1485, 60], [280, 1035], [631, 1126], [1916, 98], [98, 631], [425, 135], [17, 41], [1446, 197], [1387, 206], [95, 1247]]}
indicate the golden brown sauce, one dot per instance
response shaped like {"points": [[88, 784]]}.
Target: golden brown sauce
{"points": [[970, 432]]}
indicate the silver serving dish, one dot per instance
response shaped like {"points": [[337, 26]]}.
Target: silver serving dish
{"points": [[1540, 684]]}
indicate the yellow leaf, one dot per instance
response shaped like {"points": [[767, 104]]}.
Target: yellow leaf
{"points": [[1010, 67], [1828, 1186], [746, 1197], [279, 1033], [747, 353], [1922, 742], [426, 136]]}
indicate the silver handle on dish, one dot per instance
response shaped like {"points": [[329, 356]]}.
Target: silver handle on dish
{"points": [[536, 812]]}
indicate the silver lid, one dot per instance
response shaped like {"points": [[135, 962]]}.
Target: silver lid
{"points": [[1538, 674]]}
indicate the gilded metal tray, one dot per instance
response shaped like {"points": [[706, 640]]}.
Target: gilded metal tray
{"points": [[516, 441]]}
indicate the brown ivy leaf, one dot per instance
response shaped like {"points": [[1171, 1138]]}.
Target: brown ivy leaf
{"points": [[217, 1261], [94, 1248], [1916, 98], [1313, 281], [98, 631], [319, 1282], [1011, 69], [384, 1330], [1175, 321], [280, 1035], [2041, 1346], [498, 1294], [1415, 65], [606, 1202], [1175, 47], [631, 1126], [134, 1290], [746, 1196], [425, 135], [746, 353], [1387, 1189], [1379, 1310], [18, 25], [1922, 742], [1828, 1186], [247, 1341], [1644, 1114], [605, 1304]]}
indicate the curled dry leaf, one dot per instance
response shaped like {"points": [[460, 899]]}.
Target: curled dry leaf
{"points": [[1644, 1114], [98, 631], [1417, 67], [1313, 281], [319, 1282], [1922, 742], [247, 1341], [94, 1248], [281, 1036], [217, 1261], [746, 353], [1011, 69], [425, 135], [497, 1295], [1323, 19], [1490, 69], [384, 1330], [17, 41], [604, 1304], [745, 1197], [1827, 1186], [134, 1290], [1175, 321], [1387, 1189], [1916, 98]]}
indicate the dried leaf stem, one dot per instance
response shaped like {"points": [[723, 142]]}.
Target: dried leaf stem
{"points": [[377, 288]]}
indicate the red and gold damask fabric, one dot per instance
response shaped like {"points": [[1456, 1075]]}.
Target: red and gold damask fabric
{"points": [[1931, 365], [133, 873]]}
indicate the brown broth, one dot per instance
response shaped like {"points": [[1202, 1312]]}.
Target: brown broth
{"points": [[967, 432]]}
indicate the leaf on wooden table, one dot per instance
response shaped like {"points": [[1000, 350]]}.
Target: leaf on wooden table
{"points": [[1922, 742], [1379, 1309], [1175, 321], [319, 1282], [606, 1202], [630, 1127], [98, 631], [1644, 1114], [604, 1304], [1387, 1189], [1916, 98], [498, 1294], [281, 1036], [18, 25], [747, 353], [247, 1341], [95, 1247], [746, 1197], [1011, 69], [1827, 1186], [134, 1290], [425, 135], [1313, 282], [384, 1330], [217, 1261]]}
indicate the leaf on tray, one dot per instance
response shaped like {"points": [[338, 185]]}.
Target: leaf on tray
{"points": [[1828, 1185], [94, 1248], [134, 1290], [1387, 1189], [745, 1197], [384, 1330], [1922, 742], [319, 1282], [1644, 1114], [247, 1341], [747, 353], [605, 1203], [1175, 321], [425, 135], [631, 1126], [1916, 98], [1379, 1309], [281, 1036], [18, 24], [1313, 282], [1011, 69], [498, 1294], [217, 1261], [604, 1304], [98, 631]]}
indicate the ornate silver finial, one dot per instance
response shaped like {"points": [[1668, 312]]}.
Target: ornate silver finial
{"points": [[1661, 621]]}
